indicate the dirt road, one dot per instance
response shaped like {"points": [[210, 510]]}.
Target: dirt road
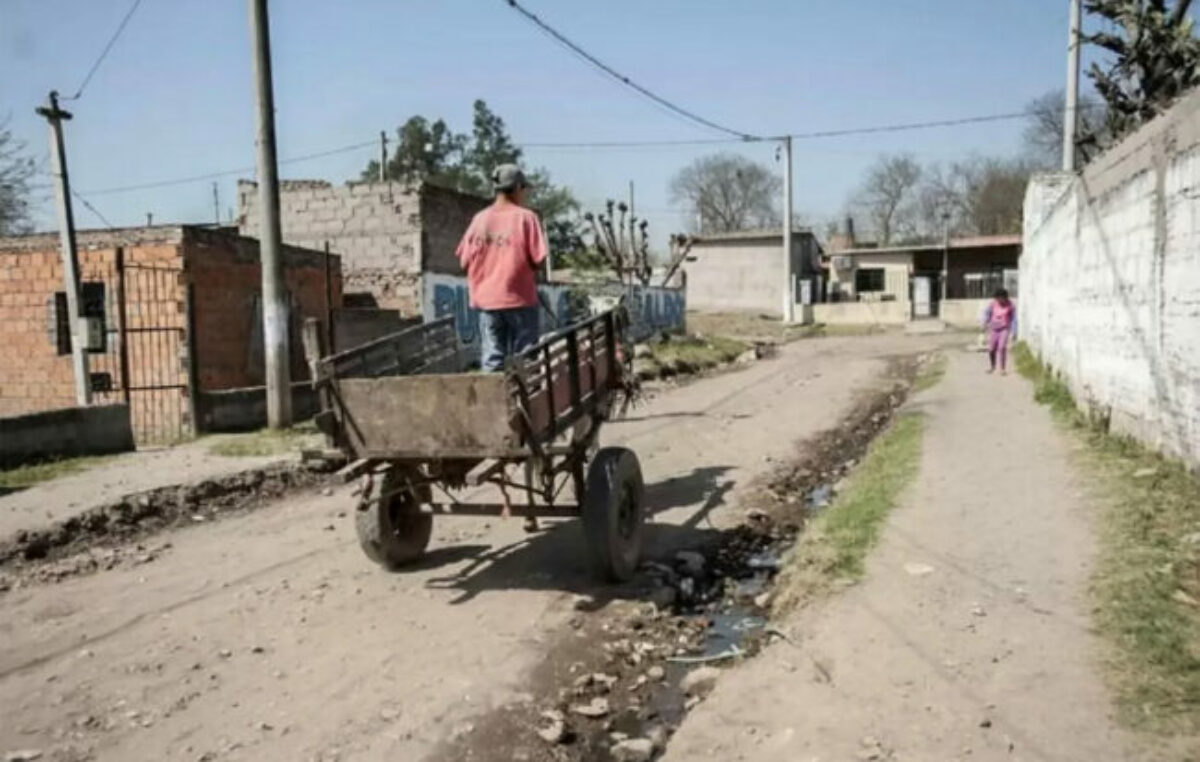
{"points": [[269, 635], [970, 637]]}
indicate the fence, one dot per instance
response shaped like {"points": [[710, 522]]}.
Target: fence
{"points": [[652, 309], [143, 357]]}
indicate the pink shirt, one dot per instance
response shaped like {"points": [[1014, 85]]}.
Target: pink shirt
{"points": [[1000, 316], [500, 252]]}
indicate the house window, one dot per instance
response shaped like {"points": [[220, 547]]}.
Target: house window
{"points": [[869, 279], [91, 305]]}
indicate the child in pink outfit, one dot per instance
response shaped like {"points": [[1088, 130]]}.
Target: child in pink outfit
{"points": [[1000, 321]]}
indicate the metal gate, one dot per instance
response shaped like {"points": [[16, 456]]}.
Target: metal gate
{"points": [[145, 361]]}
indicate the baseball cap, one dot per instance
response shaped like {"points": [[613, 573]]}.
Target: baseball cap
{"points": [[507, 177]]}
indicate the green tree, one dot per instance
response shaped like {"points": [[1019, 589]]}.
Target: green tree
{"points": [[1154, 58], [432, 152], [15, 170]]}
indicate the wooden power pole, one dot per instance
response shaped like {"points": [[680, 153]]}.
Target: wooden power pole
{"points": [[70, 258], [274, 295]]}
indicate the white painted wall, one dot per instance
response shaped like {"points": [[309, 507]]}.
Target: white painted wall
{"points": [[862, 313], [1110, 281]]}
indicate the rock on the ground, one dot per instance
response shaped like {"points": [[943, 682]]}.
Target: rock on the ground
{"points": [[700, 681], [597, 707], [29, 755], [657, 736], [656, 673], [632, 750], [554, 727]]}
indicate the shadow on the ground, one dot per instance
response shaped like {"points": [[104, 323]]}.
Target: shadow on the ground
{"points": [[555, 558]]}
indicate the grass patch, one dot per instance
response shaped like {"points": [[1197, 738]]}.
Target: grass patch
{"points": [[931, 372], [681, 355], [834, 546], [1146, 585], [265, 442], [23, 477]]}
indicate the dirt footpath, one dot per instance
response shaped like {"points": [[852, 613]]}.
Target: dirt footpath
{"points": [[969, 638], [270, 636], [59, 499]]}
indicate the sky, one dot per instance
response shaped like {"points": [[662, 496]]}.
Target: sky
{"points": [[174, 98]]}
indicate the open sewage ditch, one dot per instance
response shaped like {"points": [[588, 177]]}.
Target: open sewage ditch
{"points": [[614, 684], [618, 681]]}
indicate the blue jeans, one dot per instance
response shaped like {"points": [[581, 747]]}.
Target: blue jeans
{"points": [[504, 333]]}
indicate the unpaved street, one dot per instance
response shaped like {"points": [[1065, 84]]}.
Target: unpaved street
{"points": [[970, 637], [270, 636]]}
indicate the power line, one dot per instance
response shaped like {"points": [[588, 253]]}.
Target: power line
{"points": [[227, 172], [615, 144], [93, 210], [104, 53], [613, 73]]}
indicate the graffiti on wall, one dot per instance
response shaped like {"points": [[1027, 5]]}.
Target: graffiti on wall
{"points": [[652, 309]]}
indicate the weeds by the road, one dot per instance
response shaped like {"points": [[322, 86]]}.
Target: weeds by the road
{"points": [[265, 442], [23, 477], [931, 373], [681, 355], [765, 329], [834, 546], [1147, 582]]}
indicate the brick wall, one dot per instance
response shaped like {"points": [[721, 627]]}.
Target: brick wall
{"points": [[35, 377], [223, 270], [386, 233], [1110, 280], [227, 287]]}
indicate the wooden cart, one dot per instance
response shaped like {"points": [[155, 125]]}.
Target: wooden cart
{"points": [[429, 440]]}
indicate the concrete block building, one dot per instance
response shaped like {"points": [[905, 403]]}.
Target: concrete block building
{"points": [[178, 312], [387, 233], [743, 271]]}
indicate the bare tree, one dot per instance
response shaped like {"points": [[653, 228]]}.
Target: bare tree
{"points": [[727, 192], [889, 198], [1155, 58], [15, 170], [1043, 134], [977, 196]]}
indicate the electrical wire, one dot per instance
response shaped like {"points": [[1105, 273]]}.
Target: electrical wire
{"points": [[621, 78], [228, 172], [617, 144], [104, 53]]}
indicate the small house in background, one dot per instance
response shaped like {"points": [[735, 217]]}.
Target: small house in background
{"points": [[175, 316], [743, 271], [388, 234], [896, 284]]}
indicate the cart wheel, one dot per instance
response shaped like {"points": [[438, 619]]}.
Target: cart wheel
{"points": [[393, 531], [613, 512]]}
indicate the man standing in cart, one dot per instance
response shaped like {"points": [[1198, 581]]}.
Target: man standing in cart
{"points": [[501, 252]]}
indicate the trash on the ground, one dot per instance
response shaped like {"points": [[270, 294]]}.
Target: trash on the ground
{"points": [[978, 610], [765, 560], [819, 498], [918, 570]]}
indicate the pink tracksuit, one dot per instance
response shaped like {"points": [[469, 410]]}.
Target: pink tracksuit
{"points": [[999, 320]]}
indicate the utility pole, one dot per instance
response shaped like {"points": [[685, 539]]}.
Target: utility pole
{"points": [[789, 287], [70, 258], [382, 155], [216, 205], [274, 295], [945, 255], [1071, 113]]}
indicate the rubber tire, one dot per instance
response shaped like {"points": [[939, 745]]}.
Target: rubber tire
{"points": [[392, 532], [614, 542]]}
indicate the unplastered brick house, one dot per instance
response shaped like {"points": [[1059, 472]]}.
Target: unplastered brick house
{"points": [[177, 310], [387, 233]]}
